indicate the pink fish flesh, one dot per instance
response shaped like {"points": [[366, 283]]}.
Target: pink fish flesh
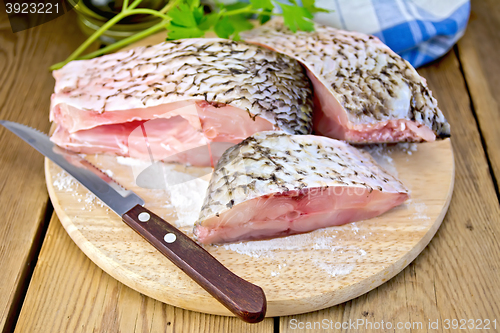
{"points": [[171, 139]]}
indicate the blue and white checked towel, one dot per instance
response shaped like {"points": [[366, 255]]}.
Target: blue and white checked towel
{"points": [[418, 30]]}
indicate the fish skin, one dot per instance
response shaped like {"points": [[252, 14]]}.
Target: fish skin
{"points": [[367, 78], [273, 162], [262, 82]]}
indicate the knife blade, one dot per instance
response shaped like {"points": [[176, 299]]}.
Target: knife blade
{"points": [[244, 299]]}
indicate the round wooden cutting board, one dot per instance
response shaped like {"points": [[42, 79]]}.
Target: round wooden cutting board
{"points": [[298, 273]]}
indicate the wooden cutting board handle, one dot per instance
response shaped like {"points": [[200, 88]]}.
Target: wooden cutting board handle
{"points": [[244, 299]]}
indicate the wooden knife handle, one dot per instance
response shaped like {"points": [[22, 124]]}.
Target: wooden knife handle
{"points": [[244, 299]]}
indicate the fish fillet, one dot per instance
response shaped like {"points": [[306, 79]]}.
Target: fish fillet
{"points": [[275, 184], [223, 90], [364, 92]]}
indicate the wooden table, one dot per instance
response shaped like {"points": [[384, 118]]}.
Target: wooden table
{"points": [[49, 285]]}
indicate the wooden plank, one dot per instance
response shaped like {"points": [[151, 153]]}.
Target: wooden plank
{"points": [[69, 293], [25, 88], [456, 276], [478, 51]]}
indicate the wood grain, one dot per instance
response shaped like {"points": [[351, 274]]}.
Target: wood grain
{"points": [[456, 276], [68, 293], [478, 50], [312, 271], [25, 88]]}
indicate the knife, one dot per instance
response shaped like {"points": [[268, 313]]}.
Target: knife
{"points": [[246, 300]]}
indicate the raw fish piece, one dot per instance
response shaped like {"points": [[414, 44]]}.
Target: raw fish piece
{"points": [[274, 184], [225, 90], [364, 92]]}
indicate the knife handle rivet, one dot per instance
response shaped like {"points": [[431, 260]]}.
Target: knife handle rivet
{"points": [[144, 217], [170, 237]]}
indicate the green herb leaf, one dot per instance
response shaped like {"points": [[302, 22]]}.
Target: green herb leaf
{"points": [[311, 7], [208, 21], [188, 20], [223, 28], [263, 18], [233, 6], [232, 24], [193, 3], [182, 16], [182, 32], [239, 23], [198, 14], [297, 18], [262, 4]]}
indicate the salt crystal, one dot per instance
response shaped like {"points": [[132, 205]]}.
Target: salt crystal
{"points": [[420, 210], [64, 182], [334, 269], [187, 199], [89, 198], [129, 161], [381, 154], [316, 240]]}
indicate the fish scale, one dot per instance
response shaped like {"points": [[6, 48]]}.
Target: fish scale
{"points": [[368, 79], [266, 84]]}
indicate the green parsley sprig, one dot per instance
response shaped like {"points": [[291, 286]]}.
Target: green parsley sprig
{"points": [[188, 19]]}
